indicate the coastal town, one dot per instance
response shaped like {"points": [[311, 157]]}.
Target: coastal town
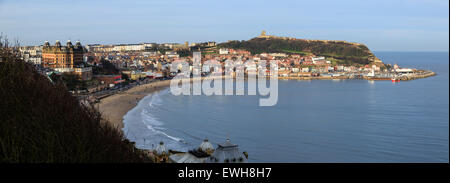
{"points": [[107, 67], [109, 75], [222, 91]]}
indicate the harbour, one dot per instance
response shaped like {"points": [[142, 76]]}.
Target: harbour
{"points": [[315, 121]]}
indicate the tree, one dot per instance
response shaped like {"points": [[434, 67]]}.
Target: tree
{"points": [[106, 68], [354, 53], [41, 122]]}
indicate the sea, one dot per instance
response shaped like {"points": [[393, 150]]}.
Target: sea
{"points": [[314, 120]]}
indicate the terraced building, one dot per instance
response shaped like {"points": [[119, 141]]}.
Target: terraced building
{"points": [[59, 56]]}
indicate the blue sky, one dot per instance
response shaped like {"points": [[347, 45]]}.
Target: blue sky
{"points": [[383, 25]]}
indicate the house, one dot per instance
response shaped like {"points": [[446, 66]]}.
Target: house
{"points": [[330, 69], [307, 62], [223, 51], [110, 80], [84, 73], [305, 69]]}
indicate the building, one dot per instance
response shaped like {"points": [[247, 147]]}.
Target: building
{"points": [[223, 51], [396, 67], [405, 71], [161, 153], [84, 73], [172, 54], [136, 75], [59, 56], [110, 80], [205, 153], [198, 155], [129, 47], [264, 35], [227, 153], [32, 54], [278, 54]]}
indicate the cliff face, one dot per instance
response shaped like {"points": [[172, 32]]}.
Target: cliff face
{"points": [[342, 51]]}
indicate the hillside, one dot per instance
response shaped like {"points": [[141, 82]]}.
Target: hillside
{"points": [[340, 51], [41, 122]]}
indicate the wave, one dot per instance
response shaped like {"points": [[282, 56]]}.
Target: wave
{"points": [[142, 127], [165, 134]]}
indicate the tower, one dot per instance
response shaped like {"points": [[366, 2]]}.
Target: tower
{"points": [[161, 153], [263, 33], [206, 147]]}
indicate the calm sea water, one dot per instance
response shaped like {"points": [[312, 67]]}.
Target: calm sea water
{"points": [[314, 121]]}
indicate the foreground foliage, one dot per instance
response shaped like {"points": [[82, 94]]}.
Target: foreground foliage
{"points": [[42, 122]]}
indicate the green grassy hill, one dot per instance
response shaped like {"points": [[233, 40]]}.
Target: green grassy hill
{"points": [[343, 52]]}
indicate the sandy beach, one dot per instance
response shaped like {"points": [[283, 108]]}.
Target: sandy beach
{"points": [[114, 107]]}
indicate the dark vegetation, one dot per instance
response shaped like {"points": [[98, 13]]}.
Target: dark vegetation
{"points": [[342, 51], [184, 52], [106, 68], [161, 49], [41, 121], [71, 81]]}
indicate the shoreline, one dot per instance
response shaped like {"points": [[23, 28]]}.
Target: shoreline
{"points": [[113, 108], [423, 74]]}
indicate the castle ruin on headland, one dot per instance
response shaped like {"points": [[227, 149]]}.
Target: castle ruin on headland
{"points": [[264, 35]]}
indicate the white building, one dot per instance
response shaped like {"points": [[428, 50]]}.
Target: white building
{"points": [[278, 54], [223, 51], [317, 58], [172, 54], [405, 71]]}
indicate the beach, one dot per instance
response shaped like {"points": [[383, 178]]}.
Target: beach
{"points": [[114, 107]]}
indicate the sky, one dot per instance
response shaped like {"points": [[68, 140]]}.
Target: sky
{"points": [[383, 25]]}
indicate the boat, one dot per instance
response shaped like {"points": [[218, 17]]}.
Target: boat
{"points": [[395, 80]]}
